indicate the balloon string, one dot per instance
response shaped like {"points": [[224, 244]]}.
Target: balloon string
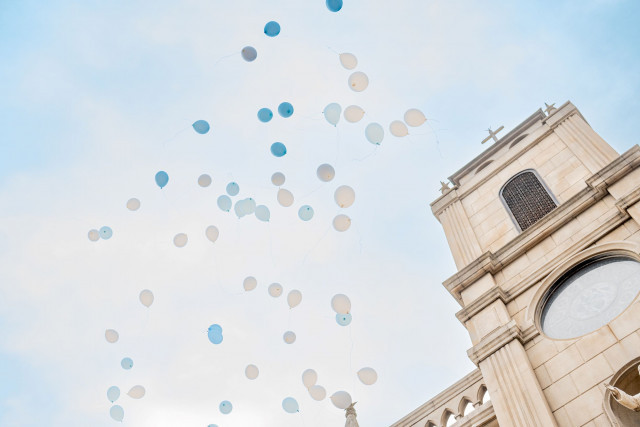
{"points": [[304, 260], [164, 143], [353, 384], [375, 150], [224, 57], [311, 192], [437, 140]]}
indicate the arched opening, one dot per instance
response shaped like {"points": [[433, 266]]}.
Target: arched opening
{"points": [[466, 407], [448, 419], [527, 199], [430, 424], [484, 165], [518, 139], [483, 394]]}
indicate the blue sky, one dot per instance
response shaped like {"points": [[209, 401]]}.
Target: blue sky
{"points": [[99, 96]]}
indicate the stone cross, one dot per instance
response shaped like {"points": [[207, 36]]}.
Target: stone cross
{"points": [[445, 188], [492, 134], [550, 108]]}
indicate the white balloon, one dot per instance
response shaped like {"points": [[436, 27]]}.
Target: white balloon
{"points": [[309, 378], [344, 196], [212, 233], [341, 399], [249, 283], [358, 81], [262, 213], [332, 113], [133, 204], [341, 304], [204, 180], [275, 290], [398, 128], [414, 117], [180, 240], [348, 60], [353, 113], [341, 222], [368, 376], [294, 298], [277, 179], [285, 197], [326, 172], [251, 371], [111, 335], [374, 133], [94, 235], [136, 392], [146, 297], [317, 392], [289, 337]]}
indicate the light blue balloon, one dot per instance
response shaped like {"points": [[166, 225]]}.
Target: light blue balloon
{"points": [[117, 413], [162, 178], [201, 126], [272, 29], [285, 109], [334, 5], [224, 203], [233, 189], [216, 327], [332, 113], [305, 212], [278, 149], [113, 394], [264, 115], [343, 319], [290, 405], [212, 425], [225, 407], [262, 213], [374, 133], [126, 363], [106, 232], [215, 333]]}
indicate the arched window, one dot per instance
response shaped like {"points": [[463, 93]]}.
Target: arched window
{"points": [[527, 199]]}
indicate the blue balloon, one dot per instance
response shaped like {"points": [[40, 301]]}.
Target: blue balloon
{"points": [[212, 425], [201, 126], [162, 178], [126, 363], [106, 232], [272, 29], [225, 407], [278, 149], [343, 319], [215, 327], [224, 203], [290, 405], [305, 213], [264, 115], [334, 5], [113, 394], [117, 413], [285, 109], [233, 189], [215, 333]]}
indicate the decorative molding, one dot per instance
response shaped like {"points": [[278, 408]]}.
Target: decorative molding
{"points": [[494, 341], [482, 302], [481, 416]]}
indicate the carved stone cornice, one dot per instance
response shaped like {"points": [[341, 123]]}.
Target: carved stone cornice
{"points": [[482, 302], [494, 341]]}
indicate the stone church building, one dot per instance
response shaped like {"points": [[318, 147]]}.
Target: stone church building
{"points": [[544, 228]]}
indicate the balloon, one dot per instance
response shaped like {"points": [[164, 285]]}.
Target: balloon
{"points": [[278, 149], [305, 212], [212, 425], [343, 319], [204, 180], [249, 283], [126, 363], [113, 394], [162, 178], [262, 213], [341, 222], [201, 126], [93, 235], [374, 133], [399, 129], [353, 113], [332, 113], [225, 407], [317, 392], [358, 81], [341, 304], [290, 405], [285, 109], [414, 117], [212, 233], [133, 204], [272, 29], [264, 115], [249, 53], [214, 333], [294, 298], [275, 290], [309, 378], [341, 399], [233, 189], [334, 5], [251, 371], [348, 60], [111, 335], [368, 376], [289, 337], [325, 172], [285, 198], [117, 413], [277, 179], [136, 392], [106, 232], [245, 207], [146, 297], [344, 196], [180, 240], [224, 203]]}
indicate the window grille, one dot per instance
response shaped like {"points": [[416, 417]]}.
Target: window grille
{"points": [[527, 199]]}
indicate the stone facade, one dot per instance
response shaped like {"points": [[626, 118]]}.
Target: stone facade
{"points": [[505, 275]]}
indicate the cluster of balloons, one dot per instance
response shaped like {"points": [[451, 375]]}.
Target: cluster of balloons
{"points": [[242, 208], [215, 333], [309, 380], [341, 304], [285, 109], [104, 233]]}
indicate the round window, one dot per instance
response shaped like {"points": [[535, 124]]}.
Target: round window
{"points": [[590, 296]]}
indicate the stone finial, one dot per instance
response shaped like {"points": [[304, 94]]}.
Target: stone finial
{"points": [[550, 108], [492, 134], [444, 189], [351, 416]]}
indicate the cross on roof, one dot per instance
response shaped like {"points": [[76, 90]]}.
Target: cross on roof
{"points": [[550, 108], [492, 134], [445, 187]]}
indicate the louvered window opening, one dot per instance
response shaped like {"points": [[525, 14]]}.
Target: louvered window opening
{"points": [[527, 199]]}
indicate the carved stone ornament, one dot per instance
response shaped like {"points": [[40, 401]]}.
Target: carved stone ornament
{"points": [[351, 416], [626, 400]]}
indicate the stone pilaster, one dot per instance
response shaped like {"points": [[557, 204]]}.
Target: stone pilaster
{"points": [[462, 240]]}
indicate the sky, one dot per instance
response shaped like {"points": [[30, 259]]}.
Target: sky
{"points": [[96, 97]]}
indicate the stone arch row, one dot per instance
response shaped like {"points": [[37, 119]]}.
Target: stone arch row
{"points": [[450, 416]]}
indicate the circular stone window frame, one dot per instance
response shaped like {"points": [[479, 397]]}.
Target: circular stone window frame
{"points": [[626, 249]]}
